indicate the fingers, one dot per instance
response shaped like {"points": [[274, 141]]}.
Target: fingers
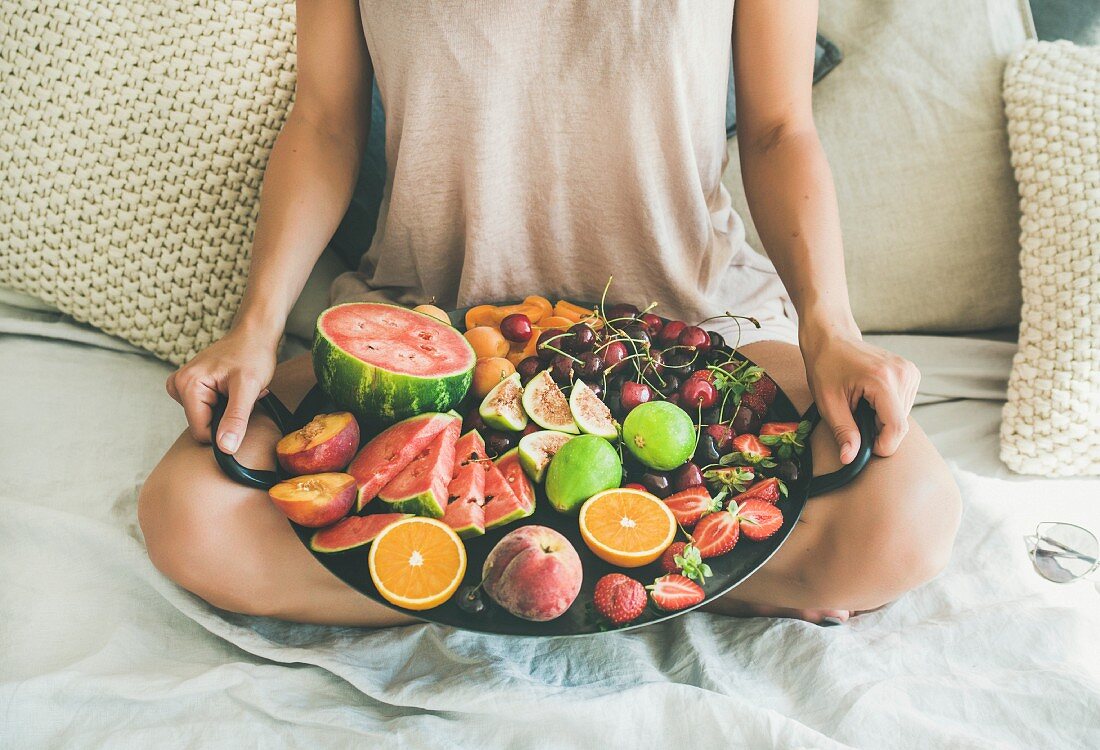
{"points": [[837, 414], [892, 418], [243, 391], [198, 399]]}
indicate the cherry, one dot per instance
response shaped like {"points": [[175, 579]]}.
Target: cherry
{"points": [[652, 324], [552, 337], [657, 483], [581, 338], [516, 327], [717, 341], [473, 421], [634, 394], [613, 355], [787, 471], [596, 387], [744, 420], [707, 452], [469, 599], [695, 337], [722, 436], [561, 369], [688, 475], [528, 368], [674, 399], [636, 331], [655, 364], [670, 333], [621, 310], [497, 443], [532, 426], [635, 486], [672, 385], [589, 366], [696, 392]]}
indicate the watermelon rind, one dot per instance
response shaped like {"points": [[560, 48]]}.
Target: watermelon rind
{"points": [[421, 487], [352, 532], [375, 394]]}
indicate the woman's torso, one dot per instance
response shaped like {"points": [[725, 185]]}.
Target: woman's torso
{"points": [[539, 146]]}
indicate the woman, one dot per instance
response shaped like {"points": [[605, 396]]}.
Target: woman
{"points": [[542, 147]]}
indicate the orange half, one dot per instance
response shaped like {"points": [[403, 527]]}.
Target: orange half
{"points": [[627, 527], [417, 563]]}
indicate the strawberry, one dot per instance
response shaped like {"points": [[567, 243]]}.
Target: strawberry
{"points": [[723, 436], [715, 534], [770, 490], [786, 438], [759, 519], [668, 559], [689, 505], [752, 451], [764, 389], [619, 598], [673, 592]]}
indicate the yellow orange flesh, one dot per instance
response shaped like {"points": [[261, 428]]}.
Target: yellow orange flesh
{"points": [[312, 487], [626, 527], [321, 428], [417, 563]]}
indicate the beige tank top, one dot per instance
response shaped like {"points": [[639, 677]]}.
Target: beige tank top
{"points": [[542, 146]]}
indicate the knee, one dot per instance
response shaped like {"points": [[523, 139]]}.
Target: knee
{"points": [[196, 547], [903, 540]]}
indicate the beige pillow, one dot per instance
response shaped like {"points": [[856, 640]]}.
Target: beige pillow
{"points": [[132, 146], [913, 126], [1052, 419]]}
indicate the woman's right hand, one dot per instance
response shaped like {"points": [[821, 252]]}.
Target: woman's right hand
{"points": [[240, 365]]}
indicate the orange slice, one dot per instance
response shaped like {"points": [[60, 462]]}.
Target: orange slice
{"points": [[626, 527], [417, 563]]}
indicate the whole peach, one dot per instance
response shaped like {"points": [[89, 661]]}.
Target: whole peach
{"points": [[534, 573]]}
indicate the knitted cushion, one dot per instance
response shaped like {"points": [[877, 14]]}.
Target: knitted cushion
{"points": [[1052, 419], [132, 145]]}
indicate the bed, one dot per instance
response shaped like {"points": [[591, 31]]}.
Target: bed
{"points": [[97, 649]]}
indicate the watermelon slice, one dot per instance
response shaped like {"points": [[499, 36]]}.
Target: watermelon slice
{"points": [[509, 494], [383, 458], [352, 532], [384, 363], [467, 489], [421, 487]]}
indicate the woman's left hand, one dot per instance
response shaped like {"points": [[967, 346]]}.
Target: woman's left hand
{"points": [[841, 369]]}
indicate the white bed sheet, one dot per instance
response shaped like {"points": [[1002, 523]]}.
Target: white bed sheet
{"points": [[97, 649]]}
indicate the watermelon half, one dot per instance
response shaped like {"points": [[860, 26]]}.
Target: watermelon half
{"points": [[383, 458], [352, 532], [466, 491], [384, 363], [421, 487], [509, 494]]}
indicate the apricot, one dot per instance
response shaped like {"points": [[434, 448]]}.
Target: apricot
{"points": [[434, 311], [534, 573], [315, 500], [555, 321], [487, 342], [488, 372], [327, 443]]}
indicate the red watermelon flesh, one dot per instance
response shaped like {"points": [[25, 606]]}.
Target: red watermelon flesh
{"points": [[421, 487], [384, 457], [509, 495], [467, 489], [352, 532]]}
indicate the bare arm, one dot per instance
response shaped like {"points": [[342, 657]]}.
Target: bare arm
{"points": [[307, 187], [793, 202]]}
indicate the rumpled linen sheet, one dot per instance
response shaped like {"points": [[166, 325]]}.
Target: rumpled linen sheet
{"points": [[98, 650]]}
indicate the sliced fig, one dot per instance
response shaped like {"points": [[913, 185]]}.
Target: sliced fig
{"points": [[536, 450], [503, 406], [547, 405], [591, 415]]}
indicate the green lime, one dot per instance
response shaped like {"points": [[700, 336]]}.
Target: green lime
{"points": [[582, 467], [659, 434]]}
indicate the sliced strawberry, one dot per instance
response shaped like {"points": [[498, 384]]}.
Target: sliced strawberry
{"points": [[770, 490], [668, 562], [619, 598], [778, 428], [689, 505], [715, 534], [749, 449], [759, 519], [673, 592]]}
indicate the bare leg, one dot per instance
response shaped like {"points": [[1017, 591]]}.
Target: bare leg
{"points": [[864, 545], [230, 545]]}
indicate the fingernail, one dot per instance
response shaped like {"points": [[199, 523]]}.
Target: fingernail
{"points": [[828, 622], [230, 441]]}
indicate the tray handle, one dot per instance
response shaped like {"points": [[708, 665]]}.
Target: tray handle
{"points": [[261, 479], [865, 420]]}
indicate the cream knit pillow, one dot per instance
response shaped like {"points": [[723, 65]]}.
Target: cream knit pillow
{"points": [[133, 140], [1052, 418]]}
